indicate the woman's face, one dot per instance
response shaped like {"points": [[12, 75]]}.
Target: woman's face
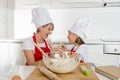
{"points": [[72, 37], [46, 31]]}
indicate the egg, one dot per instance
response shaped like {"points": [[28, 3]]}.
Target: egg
{"points": [[16, 77]]}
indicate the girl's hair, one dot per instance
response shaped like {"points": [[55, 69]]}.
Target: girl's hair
{"points": [[79, 41], [45, 26]]}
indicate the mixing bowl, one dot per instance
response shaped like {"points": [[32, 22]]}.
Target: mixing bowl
{"points": [[59, 64]]}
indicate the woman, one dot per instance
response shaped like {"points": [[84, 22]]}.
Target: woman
{"points": [[44, 26], [77, 36]]}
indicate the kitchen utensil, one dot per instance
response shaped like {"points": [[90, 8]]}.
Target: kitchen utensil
{"points": [[48, 73]]}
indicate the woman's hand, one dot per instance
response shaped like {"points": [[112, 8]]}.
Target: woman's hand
{"points": [[73, 54]]}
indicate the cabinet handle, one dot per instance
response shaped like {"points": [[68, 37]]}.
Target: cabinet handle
{"points": [[115, 50]]}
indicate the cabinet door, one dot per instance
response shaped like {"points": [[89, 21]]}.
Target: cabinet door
{"points": [[111, 0], [16, 55], [75, 1], [32, 2], [97, 56], [112, 3], [3, 54], [95, 53], [110, 59]]}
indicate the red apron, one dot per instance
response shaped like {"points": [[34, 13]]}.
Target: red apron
{"points": [[73, 50], [37, 53]]}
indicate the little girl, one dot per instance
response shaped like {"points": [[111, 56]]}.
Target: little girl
{"points": [[77, 36]]}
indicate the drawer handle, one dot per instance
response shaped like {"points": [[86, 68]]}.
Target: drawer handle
{"points": [[115, 49]]}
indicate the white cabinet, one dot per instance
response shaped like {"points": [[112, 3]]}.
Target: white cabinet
{"points": [[74, 1], [97, 56], [16, 54], [3, 53], [111, 48], [109, 59], [95, 53], [32, 2], [59, 3], [111, 0], [11, 53], [38, 2], [62, 3]]}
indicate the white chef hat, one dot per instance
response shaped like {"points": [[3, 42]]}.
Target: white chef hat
{"points": [[40, 16], [81, 27]]}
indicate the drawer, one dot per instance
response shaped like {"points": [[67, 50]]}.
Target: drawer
{"points": [[111, 48]]}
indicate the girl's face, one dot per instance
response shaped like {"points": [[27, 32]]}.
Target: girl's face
{"points": [[72, 37], [46, 31]]}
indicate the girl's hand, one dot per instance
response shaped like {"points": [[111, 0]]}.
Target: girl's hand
{"points": [[63, 47]]}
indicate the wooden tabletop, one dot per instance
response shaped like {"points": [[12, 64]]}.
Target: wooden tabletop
{"points": [[77, 74]]}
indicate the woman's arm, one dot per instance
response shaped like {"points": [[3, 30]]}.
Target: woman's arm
{"points": [[30, 57]]}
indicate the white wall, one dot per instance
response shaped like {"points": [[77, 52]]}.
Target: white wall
{"points": [[105, 22], [22, 22], [6, 18], [3, 18], [10, 18]]}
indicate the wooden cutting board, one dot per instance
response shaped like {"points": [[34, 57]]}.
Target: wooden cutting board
{"points": [[74, 75], [109, 71]]}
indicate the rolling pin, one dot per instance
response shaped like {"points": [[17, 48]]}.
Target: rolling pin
{"points": [[48, 73]]}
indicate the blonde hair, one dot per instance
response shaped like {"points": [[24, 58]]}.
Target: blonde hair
{"points": [[45, 26]]}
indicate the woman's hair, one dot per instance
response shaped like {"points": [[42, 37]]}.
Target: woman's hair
{"points": [[79, 41], [45, 26]]}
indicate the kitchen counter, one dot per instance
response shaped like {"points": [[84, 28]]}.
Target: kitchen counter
{"points": [[11, 40], [89, 41], [25, 71], [96, 41], [103, 41]]}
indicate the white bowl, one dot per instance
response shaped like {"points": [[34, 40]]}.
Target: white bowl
{"points": [[60, 64]]}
